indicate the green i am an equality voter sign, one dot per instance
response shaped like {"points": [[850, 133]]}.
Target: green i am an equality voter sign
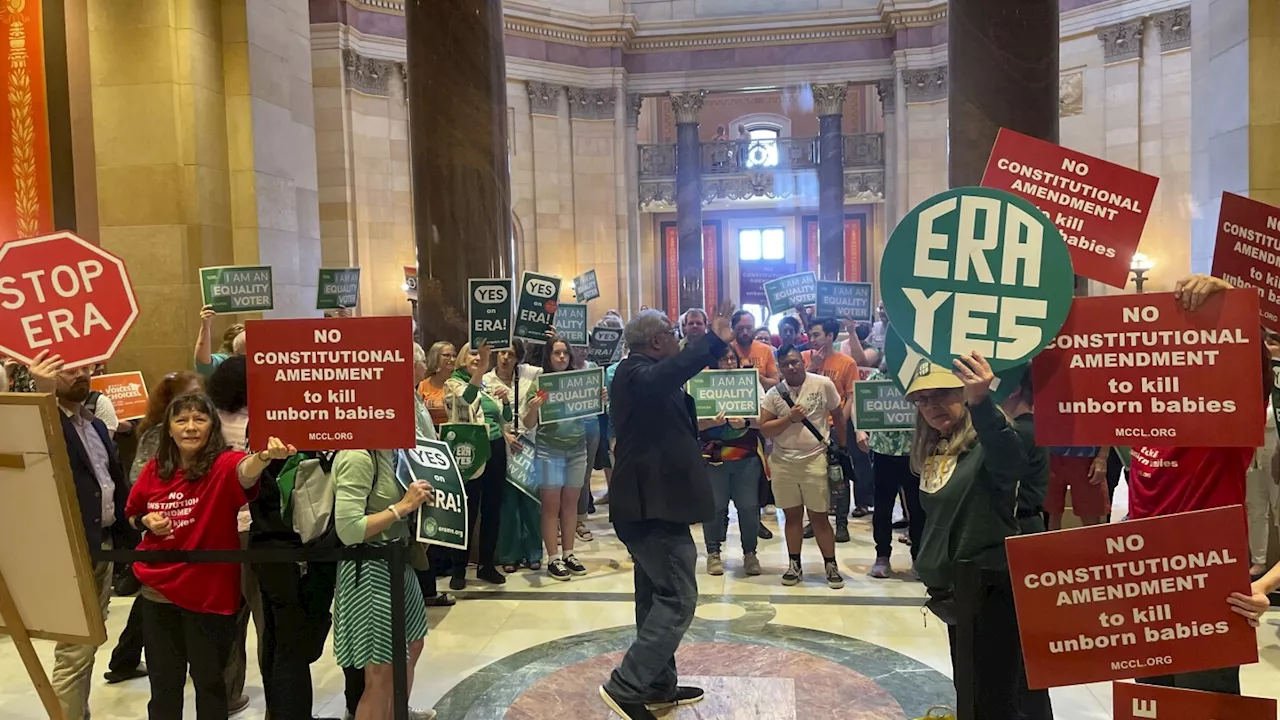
{"points": [[976, 269], [337, 288], [880, 405], [736, 393], [238, 289], [571, 395]]}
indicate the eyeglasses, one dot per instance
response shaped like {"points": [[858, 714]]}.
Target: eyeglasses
{"points": [[932, 397]]}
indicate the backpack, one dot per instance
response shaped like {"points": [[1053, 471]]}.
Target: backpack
{"points": [[307, 495]]}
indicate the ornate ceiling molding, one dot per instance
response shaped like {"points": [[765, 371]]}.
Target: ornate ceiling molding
{"points": [[592, 103], [1174, 27], [925, 85], [829, 99], [544, 98], [1122, 41], [370, 76]]}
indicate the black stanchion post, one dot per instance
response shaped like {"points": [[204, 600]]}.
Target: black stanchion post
{"points": [[399, 651], [968, 590]]}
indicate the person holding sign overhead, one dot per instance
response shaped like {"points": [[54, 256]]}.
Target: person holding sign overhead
{"points": [[188, 498], [233, 341], [970, 459], [560, 454]]}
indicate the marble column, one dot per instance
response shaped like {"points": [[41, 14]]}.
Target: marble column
{"points": [[458, 148], [828, 102], [687, 107], [887, 90], [631, 165], [1004, 54]]}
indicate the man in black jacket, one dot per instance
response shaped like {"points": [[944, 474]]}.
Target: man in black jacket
{"points": [[101, 490], [660, 487]]}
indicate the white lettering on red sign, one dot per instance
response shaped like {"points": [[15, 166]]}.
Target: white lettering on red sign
{"points": [[45, 328]]}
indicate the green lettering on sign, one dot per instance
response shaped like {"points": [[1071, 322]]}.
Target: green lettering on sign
{"points": [[976, 269], [736, 393], [903, 363]]}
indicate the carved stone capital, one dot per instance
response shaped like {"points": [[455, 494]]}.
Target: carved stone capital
{"points": [[367, 75], [634, 103], [888, 91], [592, 103], [544, 98], [1174, 27], [687, 105], [829, 99], [925, 85], [1122, 41]]}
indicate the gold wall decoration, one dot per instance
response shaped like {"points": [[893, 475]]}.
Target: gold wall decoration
{"points": [[22, 131], [1071, 94]]}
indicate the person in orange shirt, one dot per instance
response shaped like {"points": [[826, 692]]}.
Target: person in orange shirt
{"points": [[753, 353], [825, 359], [442, 359]]}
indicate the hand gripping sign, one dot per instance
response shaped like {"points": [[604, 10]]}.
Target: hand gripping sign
{"points": [[60, 293], [974, 269]]}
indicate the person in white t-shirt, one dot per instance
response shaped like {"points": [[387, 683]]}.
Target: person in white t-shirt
{"points": [[799, 413]]}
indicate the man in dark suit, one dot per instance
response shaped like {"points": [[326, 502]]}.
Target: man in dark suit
{"points": [[101, 490], [660, 487]]}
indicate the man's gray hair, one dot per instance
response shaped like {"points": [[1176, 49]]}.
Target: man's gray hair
{"points": [[644, 327], [419, 355]]}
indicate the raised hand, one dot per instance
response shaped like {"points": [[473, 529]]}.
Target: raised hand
{"points": [[44, 371], [976, 374], [720, 324], [1193, 290]]}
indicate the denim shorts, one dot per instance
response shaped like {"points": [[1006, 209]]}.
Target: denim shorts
{"points": [[559, 468]]}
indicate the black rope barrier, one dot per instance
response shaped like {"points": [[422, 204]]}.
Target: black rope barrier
{"points": [[394, 553]]}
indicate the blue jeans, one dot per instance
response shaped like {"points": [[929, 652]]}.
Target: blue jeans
{"points": [[736, 480], [666, 596]]}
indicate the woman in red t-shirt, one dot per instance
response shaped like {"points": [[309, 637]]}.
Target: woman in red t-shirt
{"points": [[187, 498], [1169, 480]]}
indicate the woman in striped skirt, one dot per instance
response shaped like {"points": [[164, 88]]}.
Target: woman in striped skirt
{"points": [[371, 508]]}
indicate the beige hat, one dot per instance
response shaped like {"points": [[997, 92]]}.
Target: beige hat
{"points": [[933, 377]]}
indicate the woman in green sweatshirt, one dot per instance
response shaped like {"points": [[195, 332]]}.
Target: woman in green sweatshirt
{"points": [[970, 459]]}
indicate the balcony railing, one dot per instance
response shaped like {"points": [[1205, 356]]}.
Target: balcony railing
{"points": [[763, 168]]}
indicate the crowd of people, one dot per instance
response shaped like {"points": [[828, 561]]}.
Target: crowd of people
{"points": [[967, 476]]}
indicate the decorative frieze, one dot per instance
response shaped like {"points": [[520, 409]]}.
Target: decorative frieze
{"points": [[744, 187], [687, 105], [1122, 41], [592, 103], [829, 99], [925, 85], [661, 192], [544, 98], [367, 75], [864, 185], [1174, 27], [887, 89], [635, 102]]}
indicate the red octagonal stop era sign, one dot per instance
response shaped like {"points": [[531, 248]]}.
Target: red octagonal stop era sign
{"points": [[62, 294]]}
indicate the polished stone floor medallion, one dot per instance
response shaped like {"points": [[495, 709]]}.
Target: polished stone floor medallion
{"points": [[752, 670]]}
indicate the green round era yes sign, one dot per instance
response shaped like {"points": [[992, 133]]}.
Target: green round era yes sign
{"points": [[977, 269]]}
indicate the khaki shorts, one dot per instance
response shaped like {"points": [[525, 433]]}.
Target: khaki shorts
{"points": [[801, 482]]}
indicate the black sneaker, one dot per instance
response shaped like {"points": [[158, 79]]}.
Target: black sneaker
{"points": [[793, 575], [626, 710], [764, 533], [575, 565], [808, 531], [685, 695], [557, 571], [118, 676], [491, 575], [842, 534], [834, 581]]}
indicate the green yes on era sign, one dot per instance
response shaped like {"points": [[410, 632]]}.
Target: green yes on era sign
{"points": [[977, 269], [443, 521], [337, 288], [880, 405], [571, 322], [736, 393], [489, 313], [237, 289], [586, 287], [903, 363], [604, 344], [791, 290], [539, 295], [844, 300], [571, 395]]}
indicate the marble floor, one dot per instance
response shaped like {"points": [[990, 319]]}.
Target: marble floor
{"points": [[537, 648]]}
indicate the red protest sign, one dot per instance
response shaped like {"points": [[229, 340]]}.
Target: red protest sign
{"points": [[331, 384], [127, 392], [1247, 253], [1152, 702], [1099, 206], [64, 295], [1138, 369], [1133, 599]]}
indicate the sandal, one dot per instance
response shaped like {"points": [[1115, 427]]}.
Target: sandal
{"points": [[535, 566], [510, 569], [444, 599], [584, 534]]}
